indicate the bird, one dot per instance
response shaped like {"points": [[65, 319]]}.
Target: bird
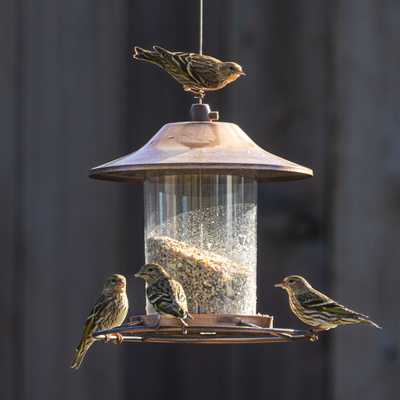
{"points": [[316, 309], [165, 294], [109, 311], [197, 73]]}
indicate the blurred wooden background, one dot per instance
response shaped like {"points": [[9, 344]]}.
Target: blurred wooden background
{"points": [[322, 90]]}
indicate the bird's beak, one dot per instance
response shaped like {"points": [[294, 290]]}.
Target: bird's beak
{"points": [[138, 275], [280, 285], [243, 73]]}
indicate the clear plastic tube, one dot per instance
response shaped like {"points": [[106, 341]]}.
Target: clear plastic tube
{"points": [[203, 229]]}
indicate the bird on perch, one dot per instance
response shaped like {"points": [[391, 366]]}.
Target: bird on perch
{"points": [[316, 309], [197, 73], [109, 311], [165, 294]]}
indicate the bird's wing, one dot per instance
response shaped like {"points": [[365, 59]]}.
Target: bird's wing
{"points": [[341, 311], [190, 69], [157, 292], [203, 69], [98, 315], [163, 296], [180, 295], [95, 317], [175, 63], [313, 299], [322, 303]]}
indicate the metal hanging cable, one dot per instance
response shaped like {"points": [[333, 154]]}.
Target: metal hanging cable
{"points": [[201, 27]]}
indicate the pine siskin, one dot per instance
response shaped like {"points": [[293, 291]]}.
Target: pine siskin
{"points": [[164, 293], [197, 73], [316, 309], [109, 312]]}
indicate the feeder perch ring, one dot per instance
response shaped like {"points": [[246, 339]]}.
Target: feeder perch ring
{"points": [[205, 329]]}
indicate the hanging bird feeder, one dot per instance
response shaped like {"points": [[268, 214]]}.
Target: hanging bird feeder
{"points": [[200, 195]]}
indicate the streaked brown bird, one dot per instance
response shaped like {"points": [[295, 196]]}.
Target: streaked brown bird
{"points": [[165, 294], [317, 310], [109, 312], [197, 73]]}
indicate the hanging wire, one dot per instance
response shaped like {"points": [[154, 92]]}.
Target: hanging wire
{"points": [[201, 28], [201, 17]]}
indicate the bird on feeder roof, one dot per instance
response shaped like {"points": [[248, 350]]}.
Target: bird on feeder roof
{"points": [[197, 73]]}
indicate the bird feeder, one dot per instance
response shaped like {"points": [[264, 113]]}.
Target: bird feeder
{"points": [[200, 206]]}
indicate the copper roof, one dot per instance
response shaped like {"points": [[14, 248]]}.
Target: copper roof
{"points": [[197, 146]]}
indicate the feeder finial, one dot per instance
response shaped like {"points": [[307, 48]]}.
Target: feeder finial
{"points": [[202, 112]]}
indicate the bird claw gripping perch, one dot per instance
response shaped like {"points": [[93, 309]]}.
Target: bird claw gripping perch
{"points": [[313, 335], [185, 325], [119, 338], [114, 336]]}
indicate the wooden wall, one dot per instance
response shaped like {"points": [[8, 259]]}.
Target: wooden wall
{"points": [[322, 90], [366, 229]]}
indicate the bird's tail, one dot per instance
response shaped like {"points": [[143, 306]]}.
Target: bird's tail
{"points": [[147, 55], [163, 52], [81, 351], [370, 322]]}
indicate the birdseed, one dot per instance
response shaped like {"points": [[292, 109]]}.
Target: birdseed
{"points": [[212, 283]]}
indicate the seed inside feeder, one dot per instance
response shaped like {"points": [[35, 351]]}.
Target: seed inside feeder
{"points": [[212, 283]]}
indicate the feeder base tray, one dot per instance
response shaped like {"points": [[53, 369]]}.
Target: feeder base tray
{"points": [[203, 329]]}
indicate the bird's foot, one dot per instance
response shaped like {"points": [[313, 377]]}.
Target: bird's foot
{"points": [[119, 338], [114, 336], [199, 96], [314, 337], [185, 325], [314, 334], [107, 337]]}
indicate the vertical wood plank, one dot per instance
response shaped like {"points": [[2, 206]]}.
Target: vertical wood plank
{"points": [[366, 251], [71, 110], [9, 296], [283, 105]]}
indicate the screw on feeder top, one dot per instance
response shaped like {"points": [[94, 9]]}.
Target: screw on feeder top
{"points": [[202, 112]]}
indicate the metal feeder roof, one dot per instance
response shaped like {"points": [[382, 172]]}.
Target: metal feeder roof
{"points": [[201, 145]]}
